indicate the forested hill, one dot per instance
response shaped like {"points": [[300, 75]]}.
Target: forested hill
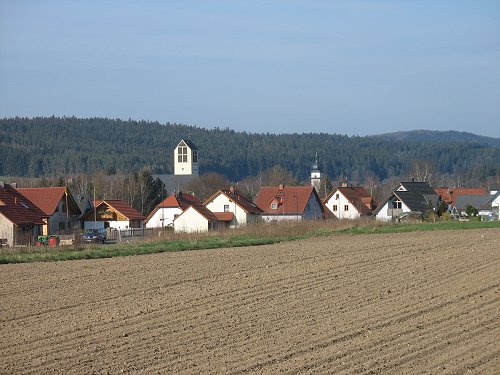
{"points": [[66, 146], [439, 136]]}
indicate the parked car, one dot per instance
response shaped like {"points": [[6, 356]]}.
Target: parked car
{"points": [[94, 235]]}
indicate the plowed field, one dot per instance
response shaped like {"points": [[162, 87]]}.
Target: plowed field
{"points": [[416, 303]]}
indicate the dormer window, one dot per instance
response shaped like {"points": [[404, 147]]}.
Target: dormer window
{"points": [[274, 206]]}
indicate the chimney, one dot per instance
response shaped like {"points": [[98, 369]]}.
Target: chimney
{"points": [[281, 187]]}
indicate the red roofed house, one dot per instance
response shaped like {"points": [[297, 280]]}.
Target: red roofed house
{"points": [[350, 202], [243, 210], [163, 214], [291, 203], [20, 219], [58, 204], [113, 213], [449, 196]]}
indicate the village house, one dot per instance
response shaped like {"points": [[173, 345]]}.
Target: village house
{"points": [[410, 198], [350, 202], [113, 213], [58, 204], [484, 204], [165, 212], [243, 210], [291, 203], [199, 219], [20, 219]]}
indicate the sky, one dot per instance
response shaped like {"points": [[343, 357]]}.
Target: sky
{"points": [[281, 66]]}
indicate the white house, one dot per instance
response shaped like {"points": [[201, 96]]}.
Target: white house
{"points": [[408, 198], [244, 210], [163, 214], [350, 202], [198, 219]]}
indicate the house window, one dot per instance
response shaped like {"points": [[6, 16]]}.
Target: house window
{"points": [[195, 156], [62, 227], [337, 196], [397, 204], [182, 154], [274, 206], [346, 207], [335, 207], [226, 208]]}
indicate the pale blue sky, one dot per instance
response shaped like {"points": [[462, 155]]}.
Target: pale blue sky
{"points": [[348, 67]]}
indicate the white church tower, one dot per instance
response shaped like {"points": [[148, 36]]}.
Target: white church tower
{"points": [[316, 175], [186, 159]]}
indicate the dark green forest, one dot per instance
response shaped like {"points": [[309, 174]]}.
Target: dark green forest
{"points": [[54, 146]]}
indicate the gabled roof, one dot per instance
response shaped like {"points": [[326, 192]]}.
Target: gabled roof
{"points": [[450, 195], [174, 183], [48, 198], [224, 216], [244, 203], [188, 143], [122, 207], [357, 196], [18, 209], [415, 195], [203, 211], [182, 201], [481, 202], [291, 200]]}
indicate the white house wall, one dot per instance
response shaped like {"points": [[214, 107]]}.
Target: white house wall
{"points": [[341, 213], [7, 230], [217, 205], [167, 214], [191, 221], [112, 224], [386, 213]]}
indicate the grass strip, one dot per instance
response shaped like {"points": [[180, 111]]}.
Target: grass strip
{"points": [[224, 240]]}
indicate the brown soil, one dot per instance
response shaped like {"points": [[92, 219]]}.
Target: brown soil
{"points": [[417, 303]]}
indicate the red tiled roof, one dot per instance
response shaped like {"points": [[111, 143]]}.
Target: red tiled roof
{"points": [[47, 198], [450, 195], [18, 209], [246, 204], [121, 207], [224, 216], [205, 212], [292, 200]]}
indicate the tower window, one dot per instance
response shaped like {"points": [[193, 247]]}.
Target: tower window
{"points": [[182, 154]]}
